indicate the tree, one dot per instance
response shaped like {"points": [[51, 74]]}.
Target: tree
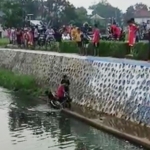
{"points": [[12, 14], [106, 10], [16, 10], [60, 11], [140, 6], [31, 6], [129, 13], [133, 9], [82, 15]]}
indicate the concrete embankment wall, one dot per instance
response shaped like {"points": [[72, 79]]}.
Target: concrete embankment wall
{"points": [[117, 87]]}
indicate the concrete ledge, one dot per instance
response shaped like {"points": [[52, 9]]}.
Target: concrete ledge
{"points": [[89, 58], [135, 140]]}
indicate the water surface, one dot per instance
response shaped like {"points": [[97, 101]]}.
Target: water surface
{"points": [[28, 125]]}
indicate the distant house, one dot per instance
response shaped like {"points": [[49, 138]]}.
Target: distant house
{"points": [[97, 19], [142, 16]]}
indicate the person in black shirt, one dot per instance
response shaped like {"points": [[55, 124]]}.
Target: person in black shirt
{"points": [[66, 81], [19, 36]]}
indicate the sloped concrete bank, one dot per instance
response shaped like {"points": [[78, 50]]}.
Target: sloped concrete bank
{"points": [[116, 87]]}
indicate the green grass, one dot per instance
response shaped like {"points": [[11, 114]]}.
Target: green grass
{"points": [[4, 41], [18, 82]]}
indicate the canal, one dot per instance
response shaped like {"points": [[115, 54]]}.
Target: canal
{"points": [[29, 125]]}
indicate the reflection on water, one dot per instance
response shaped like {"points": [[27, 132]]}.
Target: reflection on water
{"points": [[27, 126]]}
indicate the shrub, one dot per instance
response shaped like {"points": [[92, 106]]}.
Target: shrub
{"points": [[141, 51], [106, 48], [11, 80], [68, 47], [112, 49]]}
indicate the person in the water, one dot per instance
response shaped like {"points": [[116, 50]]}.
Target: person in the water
{"points": [[60, 93]]}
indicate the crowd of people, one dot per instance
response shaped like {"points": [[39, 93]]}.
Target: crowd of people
{"points": [[82, 36], [35, 36]]}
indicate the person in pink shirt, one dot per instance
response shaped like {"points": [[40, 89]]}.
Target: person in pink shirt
{"points": [[60, 93], [96, 39]]}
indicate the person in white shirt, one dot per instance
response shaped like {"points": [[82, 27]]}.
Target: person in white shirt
{"points": [[66, 36], [148, 25], [12, 36]]}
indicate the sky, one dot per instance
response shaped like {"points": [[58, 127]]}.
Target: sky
{"points": [[122, 4]]}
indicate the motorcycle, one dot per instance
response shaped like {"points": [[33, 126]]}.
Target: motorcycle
{"points": [[56, 104], [49, 40], [41, 40]]}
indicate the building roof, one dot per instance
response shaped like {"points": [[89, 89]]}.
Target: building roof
{"points": [[96, 16], [142, 14]]}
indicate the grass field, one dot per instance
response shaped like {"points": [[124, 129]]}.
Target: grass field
{"points": [[4, 41]]}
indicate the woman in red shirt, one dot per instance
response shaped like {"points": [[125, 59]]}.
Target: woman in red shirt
{"points": [[132, 29]]}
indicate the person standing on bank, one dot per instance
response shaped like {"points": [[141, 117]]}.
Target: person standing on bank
{"points": [[132, 29], [78, 39], [96, 38]]}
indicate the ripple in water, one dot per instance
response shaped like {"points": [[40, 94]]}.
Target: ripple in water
{"points": [[31, 128]]}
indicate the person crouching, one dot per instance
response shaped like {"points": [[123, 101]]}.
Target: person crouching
{"points": [[60, 93]]}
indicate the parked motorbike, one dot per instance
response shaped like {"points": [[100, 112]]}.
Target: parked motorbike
{"points": [[41, 40], [49, 40]]}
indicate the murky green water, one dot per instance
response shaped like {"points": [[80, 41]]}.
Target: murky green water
{"points": [[26, 125]]}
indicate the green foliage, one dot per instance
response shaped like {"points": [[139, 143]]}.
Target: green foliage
{"points": [[13, 14], [106, 10], [110, 49], [134, 9], [4, 42], [106, 48], [56, 11], [68, 47], [82, 15], [11, 80], [59, 11], [141, 51]]}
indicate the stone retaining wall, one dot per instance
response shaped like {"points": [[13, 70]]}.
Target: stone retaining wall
{"points": [[117, 87]]}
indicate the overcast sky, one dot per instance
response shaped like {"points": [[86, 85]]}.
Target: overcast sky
{"points": [[122, 4]]}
